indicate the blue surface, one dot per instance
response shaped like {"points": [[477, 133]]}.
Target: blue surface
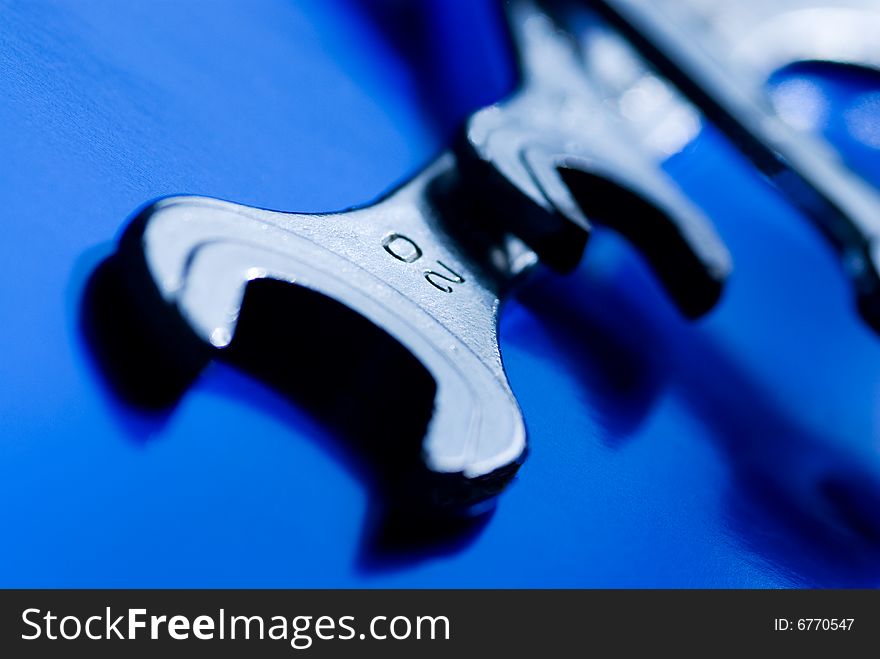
{"points": [[742, 451]]}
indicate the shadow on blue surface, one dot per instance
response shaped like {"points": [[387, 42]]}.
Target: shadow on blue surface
{"points": [[780, 382], [372, 397], [440, 41], [801, 499]]}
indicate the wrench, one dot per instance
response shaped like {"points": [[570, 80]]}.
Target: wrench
{"points": [[720, 54], [430, 264]]}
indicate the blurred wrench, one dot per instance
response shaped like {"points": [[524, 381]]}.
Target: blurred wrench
{"points": [[553, 158], [720, 54]]}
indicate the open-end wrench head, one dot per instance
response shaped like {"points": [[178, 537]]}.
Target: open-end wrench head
{"points": [[553, 159], [392, 264]]}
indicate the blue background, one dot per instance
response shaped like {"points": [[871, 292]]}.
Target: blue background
{"points": [[741, 451]]}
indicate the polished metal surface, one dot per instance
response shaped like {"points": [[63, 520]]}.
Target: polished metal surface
{"points": [[720, 55], [428, 266], [554, 159], [392, 263]]}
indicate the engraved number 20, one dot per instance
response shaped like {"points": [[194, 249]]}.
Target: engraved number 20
{"points": [[406, 250]]}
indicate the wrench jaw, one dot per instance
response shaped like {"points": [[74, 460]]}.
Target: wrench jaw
{"points": [[753, 39], [544, 196], [788, 32], [672, 235], [407, 353], [839, 35], [498, 174], [554, 159], [379, 396], [153, 320], [721, 54]]}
